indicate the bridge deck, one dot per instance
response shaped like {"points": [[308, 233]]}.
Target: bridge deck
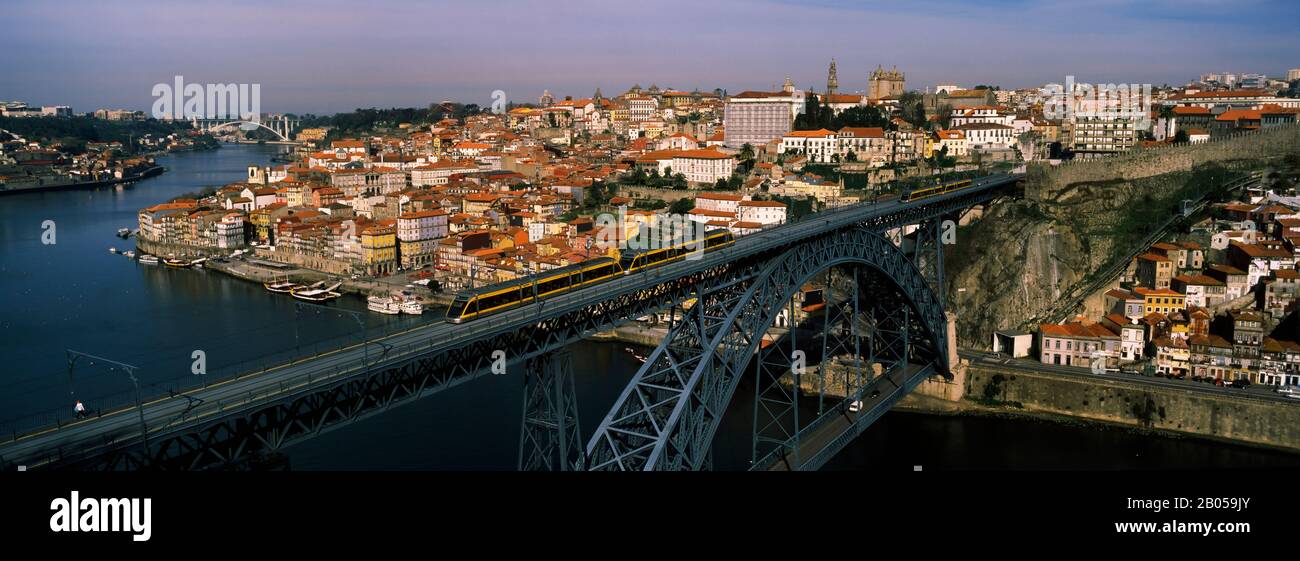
{"points": [[828, 435], [170, 415]]}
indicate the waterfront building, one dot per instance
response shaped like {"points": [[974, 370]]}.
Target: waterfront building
{"points": [[379, 248], [418, 234]]}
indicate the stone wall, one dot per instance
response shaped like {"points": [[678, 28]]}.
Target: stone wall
{"points": [[1044, 181], [1211, 415]]}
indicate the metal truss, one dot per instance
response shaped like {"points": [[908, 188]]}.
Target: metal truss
{"points": [[549, 437], [667, 415]]}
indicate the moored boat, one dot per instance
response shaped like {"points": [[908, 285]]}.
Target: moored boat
{"points": [[413, 307], [383, 305], [282, 285], [174, 262], [148, 259], [112, 250], [317, 294], [123, 232], [129, 254]]}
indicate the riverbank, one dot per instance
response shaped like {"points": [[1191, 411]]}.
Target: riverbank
{"points": [[985, 391], [261, 270], [145, 174]]}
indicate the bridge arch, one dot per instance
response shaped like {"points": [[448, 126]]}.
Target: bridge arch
{"points": [[277, 133], [667, 416]]}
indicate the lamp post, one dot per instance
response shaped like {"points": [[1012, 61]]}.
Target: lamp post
{"points": [[74, 356]]}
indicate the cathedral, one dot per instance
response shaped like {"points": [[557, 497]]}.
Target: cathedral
{"points": [[886, 83]]}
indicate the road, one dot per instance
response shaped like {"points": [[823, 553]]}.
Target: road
{"points": [[988, 359], [170, 414], [838, 425]]}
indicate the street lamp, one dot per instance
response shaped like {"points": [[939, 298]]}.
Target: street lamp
{"points": [[73, 356]]}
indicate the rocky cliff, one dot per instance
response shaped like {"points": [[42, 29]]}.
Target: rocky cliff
{"points": [[1026, 255]]}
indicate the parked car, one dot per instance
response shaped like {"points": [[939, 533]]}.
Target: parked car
{"points": [[1240, 383]]}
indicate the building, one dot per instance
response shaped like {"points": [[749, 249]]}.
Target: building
{"points": [[379, 248], [1102, 133], [705, 166], [756, 118], [1161, 301], [1200, 290], [1078, 344], [886, 83], [1154, 270], [761, 212], [954, 142], [418, 234]]}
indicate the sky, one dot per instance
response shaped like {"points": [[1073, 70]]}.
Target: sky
{"points": [[325, 56]]}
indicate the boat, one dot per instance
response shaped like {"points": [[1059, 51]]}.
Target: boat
{"points": [[413, 307], [383, 305], [148, 259], [317, 294], [123, 232], [198, 263], [178, 263], [129, 254], [112, 250], [282, 286], [634, 354]]}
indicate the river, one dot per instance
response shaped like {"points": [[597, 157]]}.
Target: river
{"points": [[75, 294]]}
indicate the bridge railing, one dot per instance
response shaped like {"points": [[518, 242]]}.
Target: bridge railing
{"points": [[153, 389]]}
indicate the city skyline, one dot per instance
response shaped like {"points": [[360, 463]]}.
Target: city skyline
{"points": [[314, 60]]}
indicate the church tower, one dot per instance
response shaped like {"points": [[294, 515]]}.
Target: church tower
{"points": [[832, 81], [886, 83]]}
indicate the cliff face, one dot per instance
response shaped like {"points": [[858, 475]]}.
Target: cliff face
{"points": [[1007, 267], [1025, 256]]}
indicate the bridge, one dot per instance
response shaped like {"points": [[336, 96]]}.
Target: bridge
{"points": [[883, 330], [281, 126]]}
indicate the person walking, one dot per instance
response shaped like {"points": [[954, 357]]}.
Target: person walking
{"points": [[80, 409]]}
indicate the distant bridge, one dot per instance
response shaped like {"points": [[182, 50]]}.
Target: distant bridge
{"points": [[884, 311], [283, 127]]}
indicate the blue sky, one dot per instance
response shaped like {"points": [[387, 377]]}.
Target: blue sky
{"points": [[326, 56]]}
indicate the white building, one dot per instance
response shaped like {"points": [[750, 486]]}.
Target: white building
{"points": [[762, 212]]}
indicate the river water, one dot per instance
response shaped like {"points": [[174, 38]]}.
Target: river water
{"points": [[76, 295]]}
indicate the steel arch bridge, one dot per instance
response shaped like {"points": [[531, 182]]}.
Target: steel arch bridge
{"points": [[281, 127], [669, 412], [223, 424]]}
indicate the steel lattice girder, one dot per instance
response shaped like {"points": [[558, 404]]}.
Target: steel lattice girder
{"points": [[667, 415], [549, 435]]}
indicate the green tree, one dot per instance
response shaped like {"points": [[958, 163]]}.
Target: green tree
{"points": [[682, 205]]}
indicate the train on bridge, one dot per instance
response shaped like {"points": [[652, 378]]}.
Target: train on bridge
{"points": [[471, 304], [927, 192]]}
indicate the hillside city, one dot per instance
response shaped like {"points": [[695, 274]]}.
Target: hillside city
{"points": [[478, 196]]}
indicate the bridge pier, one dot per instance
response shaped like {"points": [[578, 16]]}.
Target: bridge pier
{"points": [[549, 435]]}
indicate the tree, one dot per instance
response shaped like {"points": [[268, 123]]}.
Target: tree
{"points": [[912, 106], [682, 205], [746, 152], [1180, 136]]}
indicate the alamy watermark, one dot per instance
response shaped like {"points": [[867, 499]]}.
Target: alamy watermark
{"points": [[665, 230], [182, 101], [1120, 101]]}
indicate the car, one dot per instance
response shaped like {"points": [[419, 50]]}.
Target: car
{"points": [[855, 406], [1218, 382], [875, 394], [1240, 384]]}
